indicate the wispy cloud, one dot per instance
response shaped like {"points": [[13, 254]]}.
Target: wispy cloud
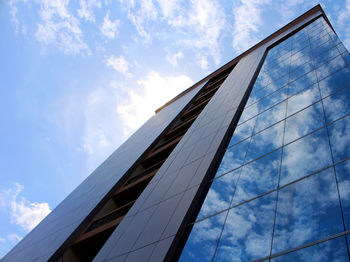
{"points": [[7, 242], [24, 213], [174, 58], [156, 90], [343, 21], [60, 28], [208, 20], [119, 64], [56, 26], [204, 23], [101, 125], [109, 28], [203, 62], [86, 10], [140, 13], [247, 22], [201, 23], [13, 14]]}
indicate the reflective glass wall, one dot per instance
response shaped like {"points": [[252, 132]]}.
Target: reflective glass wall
{"points": [[282, 191]]}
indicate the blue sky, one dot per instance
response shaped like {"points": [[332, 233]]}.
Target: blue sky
{"points": [[77, 78]]}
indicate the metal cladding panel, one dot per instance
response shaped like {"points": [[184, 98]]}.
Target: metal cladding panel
{"points": [[44, 240], [173, 191]]}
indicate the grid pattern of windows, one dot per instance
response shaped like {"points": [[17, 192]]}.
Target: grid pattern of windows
{"points": [[282, 190]]}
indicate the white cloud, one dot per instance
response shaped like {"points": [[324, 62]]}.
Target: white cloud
{"points": [[119, 64], [173, 59], [208, 20], [156, 91], [141, 15], [109, 28], [201, 23], [247, 22], [203, 62], [13, 14], [24, 213], [13, 238], [6, 243], [97, 139], [86, 10], [291, 9], [87, 122], [343, 21], [60, 28], [204, 22]]}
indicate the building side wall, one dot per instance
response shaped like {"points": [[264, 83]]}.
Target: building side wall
{"points": [[165, 202], [151, 228], [43, 241]]}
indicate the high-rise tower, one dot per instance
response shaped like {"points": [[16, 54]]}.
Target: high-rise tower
{"points": [[251, 163]]}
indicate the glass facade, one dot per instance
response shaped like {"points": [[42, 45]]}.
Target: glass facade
{"points": [[282, 190]]}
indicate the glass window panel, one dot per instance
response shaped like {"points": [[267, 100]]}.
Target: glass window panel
{"points": [[300, 70], [331, 67], [276, 84], [337, 105], [255, 96], [273, 86], [342, 48], [302, 83], [248, 113], [316, 42], [298, 35], [331, 250], [283, 53], [334, 82], [233, 157], [285, 45], [335, 38], [343, 175], [243, 131], [201, 243], [346, 57], [304, 122], [324, 41], [262, 80], [279, 69], [303, 99], [305, 156], [258, 177], [270, 116], [307, 210], [324, 45], [326, 56], [318, 33], [220, 194], [315, 26], [300, 45], [339, 133], [265, 141], [266, 90], [248, 230], [301, 57], [273, 99], [268, 59]]}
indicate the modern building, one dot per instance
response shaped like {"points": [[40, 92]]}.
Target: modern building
{"points": [[252, 163]]}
